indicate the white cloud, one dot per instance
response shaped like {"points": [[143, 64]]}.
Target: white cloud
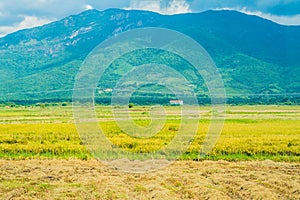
{"points": [[88, 7], [28, 22], [177, 6], [160, 6], [283, 20]]}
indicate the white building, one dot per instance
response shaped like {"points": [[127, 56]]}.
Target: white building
{"points": [[176, 102]]}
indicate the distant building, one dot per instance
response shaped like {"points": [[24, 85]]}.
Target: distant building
{"points": [[108, 90], [176, 102]]}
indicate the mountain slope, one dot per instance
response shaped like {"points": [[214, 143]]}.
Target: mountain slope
{"points": [[254, 55]]}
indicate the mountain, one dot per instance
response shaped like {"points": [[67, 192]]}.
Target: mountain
{"points": [[254, 55]]}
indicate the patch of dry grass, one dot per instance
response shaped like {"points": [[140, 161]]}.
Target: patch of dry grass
{"points": [[76, 179]]}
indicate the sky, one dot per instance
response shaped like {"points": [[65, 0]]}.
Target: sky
{"points": [[20, 14]]}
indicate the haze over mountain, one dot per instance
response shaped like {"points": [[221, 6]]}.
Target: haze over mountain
{"points": [[254, 55]]}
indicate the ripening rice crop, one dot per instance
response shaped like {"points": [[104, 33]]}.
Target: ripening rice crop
{"points": [[242, 138]]}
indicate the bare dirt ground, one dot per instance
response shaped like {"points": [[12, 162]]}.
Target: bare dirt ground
{"points": [[75, 179]]}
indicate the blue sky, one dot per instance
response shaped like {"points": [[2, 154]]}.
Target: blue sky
{"points": [[19, 14]]}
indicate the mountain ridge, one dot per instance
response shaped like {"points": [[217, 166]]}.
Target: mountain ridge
{"points": [[254, 55]]}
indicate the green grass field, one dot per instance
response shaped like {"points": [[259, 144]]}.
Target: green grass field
{"points": [[249, 133]]}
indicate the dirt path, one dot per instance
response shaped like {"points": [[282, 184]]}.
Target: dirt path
{"points": [[74, 179]]}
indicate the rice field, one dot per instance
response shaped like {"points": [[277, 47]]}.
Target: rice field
{"points": [[249, 133]]}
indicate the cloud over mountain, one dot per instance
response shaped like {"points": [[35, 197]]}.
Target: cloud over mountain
{"points": [[15, 13], [163, 7]]}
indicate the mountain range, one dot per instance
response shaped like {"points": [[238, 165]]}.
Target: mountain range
{"points": [[253, 55]]}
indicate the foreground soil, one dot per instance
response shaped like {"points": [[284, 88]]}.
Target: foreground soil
{"points": [[76, 179]]}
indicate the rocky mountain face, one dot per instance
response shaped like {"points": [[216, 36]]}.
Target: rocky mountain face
{"points": [[253, 55]]}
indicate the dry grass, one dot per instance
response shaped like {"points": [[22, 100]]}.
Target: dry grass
{"points": [[76, 179]]}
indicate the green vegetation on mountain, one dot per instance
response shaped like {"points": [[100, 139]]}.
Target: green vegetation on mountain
{"points": [[253, 55]]}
